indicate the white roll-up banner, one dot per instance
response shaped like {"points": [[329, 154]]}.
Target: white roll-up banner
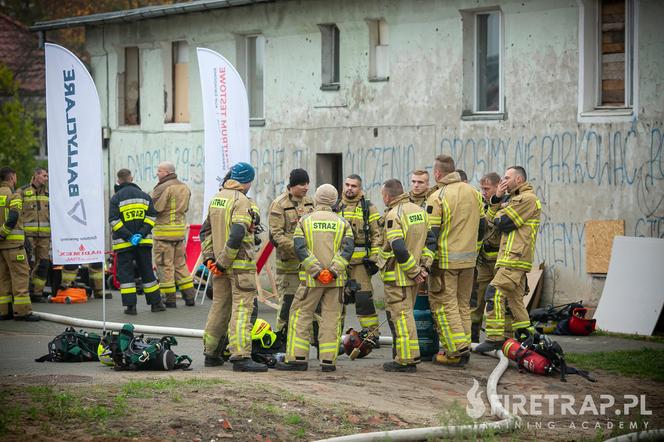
{"points": [[225, 119], [76, 192]]}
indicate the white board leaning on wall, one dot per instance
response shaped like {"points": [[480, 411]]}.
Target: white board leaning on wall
{"points": [[633, 294]]}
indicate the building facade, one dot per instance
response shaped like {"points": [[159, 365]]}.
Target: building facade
{"points": [[571, 90]]}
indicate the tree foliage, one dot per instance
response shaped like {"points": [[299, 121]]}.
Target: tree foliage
{"points": [[18, 141]]}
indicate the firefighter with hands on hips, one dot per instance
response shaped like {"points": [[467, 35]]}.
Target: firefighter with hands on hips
{"points": [[229, 252], [323, 244], [14, 268], [405, 258], [284, 214], [419, 187], [455, 217], [171, 201], [363, 217], [132, 217], [518, 222], [37, 227]]}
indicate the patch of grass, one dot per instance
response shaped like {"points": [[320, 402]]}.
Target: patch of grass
{"points": [[299, 433], [147, 388], [293, 419], [659, 339], [645, 363]]}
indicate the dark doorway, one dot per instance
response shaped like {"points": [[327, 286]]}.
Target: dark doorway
{"points": [[329, 169]]}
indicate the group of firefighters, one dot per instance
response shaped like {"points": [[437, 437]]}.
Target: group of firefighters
{"points": [[449, 241], [468, 251]]}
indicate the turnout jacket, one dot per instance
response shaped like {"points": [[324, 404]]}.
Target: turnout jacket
{"points": [[36, 218], [518, 223], [491, 241], [11, 225], [285, 212], [408, 245], [231, 240], [131, 211], [456, 220], [418, 198], [323, 240], [351, 211], [171, 201]]}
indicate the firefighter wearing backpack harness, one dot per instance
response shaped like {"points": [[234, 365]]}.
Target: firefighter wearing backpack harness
{"points": [[364, 220], [230, 254], [518, 223], [132, 217], [284, 214]]}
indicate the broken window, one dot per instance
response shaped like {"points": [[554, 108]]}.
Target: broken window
{"points": [[130, 87], [379, 63], [329, 56], [487, 56]]}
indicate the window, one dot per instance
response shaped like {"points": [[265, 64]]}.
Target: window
{"points": [[329, 169], [176, 82], [329, 57], [379, 63], [482, 64], [251, 58], [607, 60], [129, 87]]}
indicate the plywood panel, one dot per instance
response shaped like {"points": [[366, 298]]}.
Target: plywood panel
{"points": [[599, 238], [181, 93], [534, 277]]}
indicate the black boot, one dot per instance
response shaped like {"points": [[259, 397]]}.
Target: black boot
{"points": [[30, 317], [326, 368], [247, 364], [159, 307], [213, 361], [292, 366], [189, 302], [37, 299], [475, 332], [170, 304], [395, 367], [130, 310], [489, 346]]}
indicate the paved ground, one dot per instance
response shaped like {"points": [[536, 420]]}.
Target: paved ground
{"points": [[22, 342]]}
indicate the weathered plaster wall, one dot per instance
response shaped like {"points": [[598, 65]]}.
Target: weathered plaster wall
{"points": [[581, 171]]}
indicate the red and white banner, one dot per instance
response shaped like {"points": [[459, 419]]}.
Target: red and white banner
{"points": [[225, 119], [76, 192]]}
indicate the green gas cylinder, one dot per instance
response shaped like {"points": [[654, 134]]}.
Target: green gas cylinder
{"points": [[426, 333]]}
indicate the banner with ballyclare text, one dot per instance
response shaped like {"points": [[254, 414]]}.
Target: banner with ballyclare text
{"points": [[225, 119], [76, 192]]}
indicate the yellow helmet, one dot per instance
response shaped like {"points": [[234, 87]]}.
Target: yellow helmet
{"points": [[105, 355], [263, 332]]}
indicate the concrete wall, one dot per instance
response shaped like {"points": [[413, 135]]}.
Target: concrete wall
{"points": [[386, 129]]}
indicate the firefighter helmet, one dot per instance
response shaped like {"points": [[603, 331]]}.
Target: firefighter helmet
{"points": [[263, 333]]}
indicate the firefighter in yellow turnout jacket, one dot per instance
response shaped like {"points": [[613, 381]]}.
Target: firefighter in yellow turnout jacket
{"points": [[171, 201], [324, 245], [455, 217], [285, 212], [37, 227], [403, 261], [14, 268], [363, 218], [518, 223], [230, 254]]}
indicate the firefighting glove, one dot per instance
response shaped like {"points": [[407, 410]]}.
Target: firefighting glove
{"points": [[136, 239], [371, 266], [325, 276], [214, 267]]}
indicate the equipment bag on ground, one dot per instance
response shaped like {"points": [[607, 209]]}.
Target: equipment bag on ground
{"points": [[72, 346], [125, 351]]}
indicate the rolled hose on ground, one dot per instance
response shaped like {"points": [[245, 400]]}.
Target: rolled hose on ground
{"points": [[639, 435], [507, 423]]}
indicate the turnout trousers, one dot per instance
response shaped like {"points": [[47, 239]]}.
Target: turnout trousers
{"points": [[172, 269], [508, 287], [137, 258], [364, 304], [449, 298], [399, 303], [230, 315], [14, 281], [301, 319], [41, 258], [287, 284]]}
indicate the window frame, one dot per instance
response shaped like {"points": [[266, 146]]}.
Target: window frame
{"points": [[476, 64], [247, 37], [335, 83]]}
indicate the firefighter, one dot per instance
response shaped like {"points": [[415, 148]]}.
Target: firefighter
{"points": [[284, 214], [455, 218], [171, 201], [14, 267], [363, 218], [323, 244], [132, 217], [486, 260], [518, 222], [404, 262], [37, 227], [229, 252], [419, 187]]}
